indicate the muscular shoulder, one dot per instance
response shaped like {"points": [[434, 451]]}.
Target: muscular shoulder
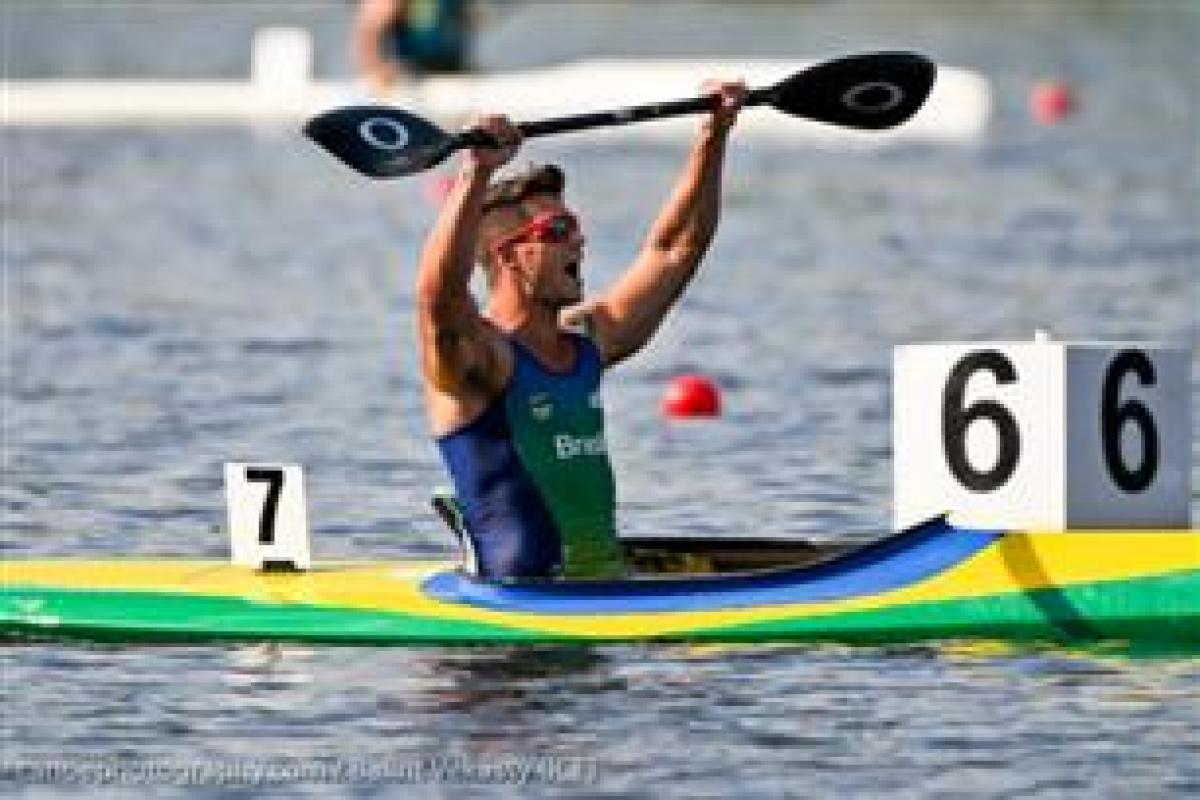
{"points": [[452, 406], [463, 354]]}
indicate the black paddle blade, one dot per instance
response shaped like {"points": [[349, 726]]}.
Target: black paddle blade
{"points": [[380, 142], [872, 91]]}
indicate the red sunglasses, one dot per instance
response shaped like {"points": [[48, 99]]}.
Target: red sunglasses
{"points": [[555, 227]]}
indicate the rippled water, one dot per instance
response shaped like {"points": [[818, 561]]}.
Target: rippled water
{"points": [[178, 298]]}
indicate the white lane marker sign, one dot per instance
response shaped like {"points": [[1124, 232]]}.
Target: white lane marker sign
{"points": [[268, 516], [1046, 435]]}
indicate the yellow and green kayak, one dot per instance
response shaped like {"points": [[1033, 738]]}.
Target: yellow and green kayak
{"points": [[935, 581]]}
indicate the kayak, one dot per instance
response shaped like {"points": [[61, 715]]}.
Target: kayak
{"points": [[933, 581]]}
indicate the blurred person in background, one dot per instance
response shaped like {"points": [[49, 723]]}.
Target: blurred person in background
{"points": [[398, 40]]}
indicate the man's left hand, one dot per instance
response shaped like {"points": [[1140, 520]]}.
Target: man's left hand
{"points": [[732, 95]]}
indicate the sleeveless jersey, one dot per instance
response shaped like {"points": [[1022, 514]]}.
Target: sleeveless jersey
{"points": [[533, 477]]}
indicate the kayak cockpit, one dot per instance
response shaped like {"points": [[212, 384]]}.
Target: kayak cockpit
{"points": [[673, 555], [704, 556], [884, 565]]}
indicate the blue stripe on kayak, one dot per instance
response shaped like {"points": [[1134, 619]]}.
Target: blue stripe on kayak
{"points": [[890, 563]]}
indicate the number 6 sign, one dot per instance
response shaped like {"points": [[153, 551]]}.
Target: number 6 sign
{"points": [[1045, 435]]}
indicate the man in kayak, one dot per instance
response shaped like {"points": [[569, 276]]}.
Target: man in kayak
{"points": [[513, 394]]}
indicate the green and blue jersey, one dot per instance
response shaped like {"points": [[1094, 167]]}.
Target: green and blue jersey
{"points": [[533, 477]]}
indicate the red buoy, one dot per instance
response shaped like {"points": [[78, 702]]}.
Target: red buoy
{"points": [[692, 396], [1051, 102]]}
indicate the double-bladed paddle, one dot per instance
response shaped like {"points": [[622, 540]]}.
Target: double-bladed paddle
{"points": [[870, 92]]}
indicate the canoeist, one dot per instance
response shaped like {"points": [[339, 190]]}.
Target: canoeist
{"points": [[513, 393]]}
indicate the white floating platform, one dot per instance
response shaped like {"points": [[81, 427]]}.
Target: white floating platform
{"points": [[957, 110]]}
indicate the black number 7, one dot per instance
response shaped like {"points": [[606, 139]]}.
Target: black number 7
{"points": [[274, 480]]}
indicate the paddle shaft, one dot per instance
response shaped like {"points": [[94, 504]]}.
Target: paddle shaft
{"points": [[874, 91], [601, 119]]}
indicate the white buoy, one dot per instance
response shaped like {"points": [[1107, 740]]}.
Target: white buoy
{"points": [[281, 60]]}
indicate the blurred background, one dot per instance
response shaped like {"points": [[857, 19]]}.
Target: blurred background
{"points": [[186, 38]]}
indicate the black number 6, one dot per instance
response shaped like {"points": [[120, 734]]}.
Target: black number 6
{"points": [[956, 420], [1114, 414], [274, 480]]}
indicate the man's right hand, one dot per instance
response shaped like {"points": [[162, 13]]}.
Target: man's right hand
{"points": [[491, 158]]}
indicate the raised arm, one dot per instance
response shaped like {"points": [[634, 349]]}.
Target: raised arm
{"points": [[461, 354], [625, 317]]}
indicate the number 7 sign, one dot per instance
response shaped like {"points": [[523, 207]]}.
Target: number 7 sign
{"points": [[268, 521], [1045, 435]]}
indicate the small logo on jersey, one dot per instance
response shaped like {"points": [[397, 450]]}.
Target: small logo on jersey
{"points": [[567, 446], [540, 407], [595, 400]]}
